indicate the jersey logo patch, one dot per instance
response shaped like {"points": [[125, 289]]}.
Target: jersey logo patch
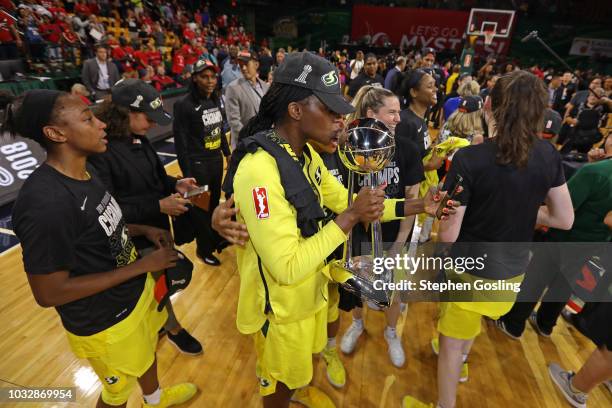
{"points": [[260, 199], [318, 175]]}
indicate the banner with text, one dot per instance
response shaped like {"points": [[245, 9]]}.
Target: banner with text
{"points": [[591, 47], [407, 28], [19, 157]]}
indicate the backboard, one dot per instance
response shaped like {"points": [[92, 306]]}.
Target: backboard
{"points": [[498, 21]]}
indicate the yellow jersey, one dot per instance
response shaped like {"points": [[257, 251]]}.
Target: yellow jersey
{"points": [[291, 265]]}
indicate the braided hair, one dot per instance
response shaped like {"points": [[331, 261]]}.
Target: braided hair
{"points": [[273, 108]]}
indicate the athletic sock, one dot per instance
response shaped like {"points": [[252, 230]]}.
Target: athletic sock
{"points": [[390, 332], [358, 323], [331, 342], [153, 399]]}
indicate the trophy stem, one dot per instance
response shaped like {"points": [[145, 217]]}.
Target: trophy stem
{"points": [[348, 245], [377, 239]]}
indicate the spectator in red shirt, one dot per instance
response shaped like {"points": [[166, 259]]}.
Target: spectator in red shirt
{"points": [[57, 8], [52, 33], [82, 8], [111, 41], [8, 5], [191, 56], [10, 40], [141, 56], [178, 60], [155, 57], [188, 33], [123, 56], [161, 81]]}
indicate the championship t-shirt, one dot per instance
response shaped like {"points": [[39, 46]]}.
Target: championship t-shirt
{"points": [[77, 226], [404, 170], [415, 129]]}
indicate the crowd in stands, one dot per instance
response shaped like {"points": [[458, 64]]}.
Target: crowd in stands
{"points": [[160, 41]]}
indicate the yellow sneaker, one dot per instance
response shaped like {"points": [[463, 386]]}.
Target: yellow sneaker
{"points": [[435, 346], [312, 397], [411, 402], [174, 395], [336, 375], [464, 373]]}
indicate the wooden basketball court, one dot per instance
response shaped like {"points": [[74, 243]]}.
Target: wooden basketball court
{"points": [[503, 372]]}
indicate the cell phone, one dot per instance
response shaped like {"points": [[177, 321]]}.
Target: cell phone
{"points": [[451, 196], [195, 192]]}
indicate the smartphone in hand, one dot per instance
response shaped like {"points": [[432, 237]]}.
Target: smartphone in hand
{"points": [[451, 196], [195, 192]]}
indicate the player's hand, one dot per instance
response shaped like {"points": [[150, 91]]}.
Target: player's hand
{"points": [[233, 231], [162, 258], [173, 205], [369, 204]]}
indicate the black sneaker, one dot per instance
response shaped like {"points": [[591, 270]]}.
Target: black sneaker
{"points": [[185, 342], [502, 327], [209, 259], [533, 320]]}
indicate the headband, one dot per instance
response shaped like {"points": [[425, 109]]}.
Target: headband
{"points": [[35, 113]]}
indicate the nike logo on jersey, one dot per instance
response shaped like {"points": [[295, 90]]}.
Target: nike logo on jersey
{"points": [[84, 202], [198, 107]]}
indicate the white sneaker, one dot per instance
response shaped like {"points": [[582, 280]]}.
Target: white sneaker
{"points": [[349, 340], [396, 351]]}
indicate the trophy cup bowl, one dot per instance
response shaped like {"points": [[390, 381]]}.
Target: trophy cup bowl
{"points": [[367, 150]]}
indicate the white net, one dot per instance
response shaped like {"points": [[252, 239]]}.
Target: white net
{"points": [[488, 36]]}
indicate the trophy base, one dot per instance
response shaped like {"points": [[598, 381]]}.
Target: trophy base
{"points": [[361, 280]]}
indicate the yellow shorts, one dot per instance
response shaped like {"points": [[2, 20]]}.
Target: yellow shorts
{"points": [[462, 320], [332, 303], [285, 352], [123, 352]]}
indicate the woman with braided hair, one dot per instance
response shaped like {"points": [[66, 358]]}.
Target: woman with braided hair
{"points": [[280, 184]]}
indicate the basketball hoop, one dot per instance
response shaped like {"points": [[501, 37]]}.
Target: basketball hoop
{"points": [[488, 36]]}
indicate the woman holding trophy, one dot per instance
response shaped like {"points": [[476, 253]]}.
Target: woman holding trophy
{"points": [[279, 185]]}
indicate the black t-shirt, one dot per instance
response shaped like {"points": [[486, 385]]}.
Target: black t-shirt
{"points": [[406, 169], [503, 201], [73, 225], [415, 129], [363, 80]]}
